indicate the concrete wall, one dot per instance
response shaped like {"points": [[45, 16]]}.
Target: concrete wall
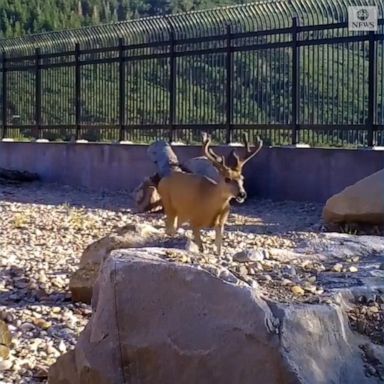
{"points": [[279, 173]]}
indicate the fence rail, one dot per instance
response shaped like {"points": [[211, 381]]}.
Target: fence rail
{"points": [[289, 72]]}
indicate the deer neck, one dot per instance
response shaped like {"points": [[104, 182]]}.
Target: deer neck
{"points": [[225, 192]]}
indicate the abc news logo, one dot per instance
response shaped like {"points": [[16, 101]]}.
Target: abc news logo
{"points": [[362, 18]]}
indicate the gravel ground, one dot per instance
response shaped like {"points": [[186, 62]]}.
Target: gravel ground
{"points": [[45, 228]]}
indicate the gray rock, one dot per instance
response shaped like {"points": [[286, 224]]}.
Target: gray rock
{"points": [[249, 255], [319, 344], [288, 271], [160, 322], [191, 246], [228, 276]]}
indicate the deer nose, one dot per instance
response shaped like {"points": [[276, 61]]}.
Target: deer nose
{"points": [[241, 196]]}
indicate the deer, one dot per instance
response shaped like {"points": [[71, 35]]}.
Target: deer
{"points": [[202, 202]]}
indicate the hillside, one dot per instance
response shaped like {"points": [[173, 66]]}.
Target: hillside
{"points": [[333, 80], [20, 17]]}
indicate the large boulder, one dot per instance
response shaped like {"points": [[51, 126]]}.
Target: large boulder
{"points": [[160, 322], [203, 167], [82, 281], [130, 236], [362, 202]]}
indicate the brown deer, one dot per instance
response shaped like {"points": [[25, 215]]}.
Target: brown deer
{"points": [[202, 202]]}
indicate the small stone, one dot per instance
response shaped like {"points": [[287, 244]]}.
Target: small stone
{"points": [[191, 246], [211, 269], [267, 255], [212, 260], [5, 338], [285, 282], [43, 324], [305, 264], [5, 365], [27, 327], [337, 267], [258, 266], [27, 364], [52, 351], [40, 372], [309, 287], [62, 347], [362, 299], [7, 317], [242, 270], [288, 271], [185, 259], [4, 351], [266, 277], [297, 290], [249, 255], [353, 269], [320, 267], [370, 370], [312, 279], [361, 325], [373, 309], [228, 276]]}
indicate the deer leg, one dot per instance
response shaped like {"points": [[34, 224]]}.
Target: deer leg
{"points": [[171, 225], [197, 237], [219, 229]]}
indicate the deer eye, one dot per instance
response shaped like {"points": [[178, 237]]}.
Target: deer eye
{"points": [[227, 180]]}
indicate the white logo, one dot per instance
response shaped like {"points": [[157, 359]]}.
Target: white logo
{"points": [[362, 18]]}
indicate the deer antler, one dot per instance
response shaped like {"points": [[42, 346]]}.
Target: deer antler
{"points": [[248, 152], [205, 136], [218, 161]]}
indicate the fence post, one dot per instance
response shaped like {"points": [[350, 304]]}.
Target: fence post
{"points": [[37, 94], [228, 90], [295, 80], [371, 87], [77, 90], [121, 89], [172, 85], [4, 101]]}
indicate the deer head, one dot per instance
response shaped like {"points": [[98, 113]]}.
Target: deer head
{"points": [[232, 175]]}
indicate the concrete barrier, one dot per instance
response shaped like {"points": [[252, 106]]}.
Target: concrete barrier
{"points": [[282, 173]]}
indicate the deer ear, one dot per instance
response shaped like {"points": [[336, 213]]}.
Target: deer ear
{"points": [[233, 159]]}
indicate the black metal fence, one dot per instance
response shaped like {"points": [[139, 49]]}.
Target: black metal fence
{"points": [[289, 71]]}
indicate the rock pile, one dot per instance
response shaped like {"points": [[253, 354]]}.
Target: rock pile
{"points": [[270, 247]]}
